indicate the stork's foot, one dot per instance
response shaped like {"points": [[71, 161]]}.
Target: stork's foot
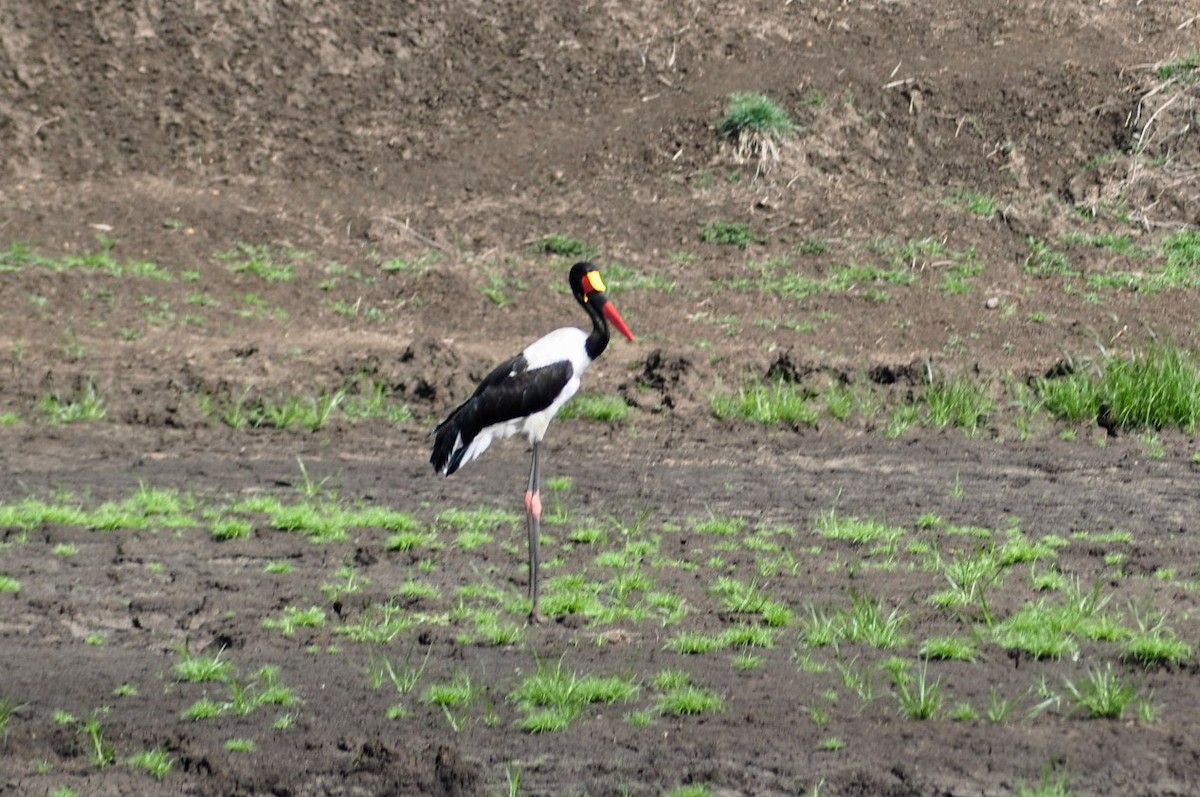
{"points": [[537, 618]]}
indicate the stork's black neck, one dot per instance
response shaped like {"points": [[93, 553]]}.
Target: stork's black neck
{"points": [[597, 341]]}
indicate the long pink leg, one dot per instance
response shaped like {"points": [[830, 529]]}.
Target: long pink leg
{"points": [[533, 516]]}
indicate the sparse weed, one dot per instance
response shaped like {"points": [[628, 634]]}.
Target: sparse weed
{"points": [[688, 699], [1102, 694], [951, 648], [87, 406], [736, 234], [258, 261], [156, 761], [564, 246], [240, 745], [100, 751], [194, 668], [293, 618], [975, 202], [920, 699], [1185, 68], [7, 709]]}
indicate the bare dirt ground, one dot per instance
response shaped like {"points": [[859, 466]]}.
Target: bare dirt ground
{"points": [[403, 160]]}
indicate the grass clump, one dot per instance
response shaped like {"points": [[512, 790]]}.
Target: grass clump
{"points": [[1102, 694], [975, 202], [766, 403], [1155, 644], [960, 403], [687, 700], [728, 233], [564, 246], [755, 125], [156, 762], [1185, 68], [87, 406], [1157, 389], [552, 697], [258, 261], [601, 407], [1045, 261], [919, 698]]}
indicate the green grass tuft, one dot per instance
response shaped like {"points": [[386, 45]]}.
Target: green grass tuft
{"points": [[1157, 389], [733, 233], [602, 407], [564, 246], [767, 404], [756, 124]]}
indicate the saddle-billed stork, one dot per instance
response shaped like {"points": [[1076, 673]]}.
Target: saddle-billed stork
{"points": [[521, 396]]}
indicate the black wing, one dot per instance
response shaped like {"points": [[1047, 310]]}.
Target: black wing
{"points": [[508, 392]]}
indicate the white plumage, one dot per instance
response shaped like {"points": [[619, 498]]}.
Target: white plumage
{"points": [[562, 344]]}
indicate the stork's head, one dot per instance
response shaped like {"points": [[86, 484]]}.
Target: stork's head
{"points": [[589, 290]]}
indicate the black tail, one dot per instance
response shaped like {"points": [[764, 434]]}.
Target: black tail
{"points": [[450, 441]]}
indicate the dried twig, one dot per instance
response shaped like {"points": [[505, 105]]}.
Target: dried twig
{"points": [[404, 227]]}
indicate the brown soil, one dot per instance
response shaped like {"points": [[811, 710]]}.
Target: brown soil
{"points": [[446, 140]]}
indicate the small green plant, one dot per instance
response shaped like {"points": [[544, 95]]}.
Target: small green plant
{"points": [[756, 125], [919, 698], [975, 202], [736, 234], [1185, 68], [691, 790], [203, 709], [1102, 694], [766, 403], [230, 528], [87, 406], [156, 761], [7, 709], [961, 403], [456, 693], [195, 668], [258, 261], [1053, 784], [1159, 388], [1043, 260], [602, 407], [552, 697], [951, 648], [688, 699], [240, 745], [293, 618], [857, 531], [564, 246], [100, 751], [1155, 644], [9, 584]]}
